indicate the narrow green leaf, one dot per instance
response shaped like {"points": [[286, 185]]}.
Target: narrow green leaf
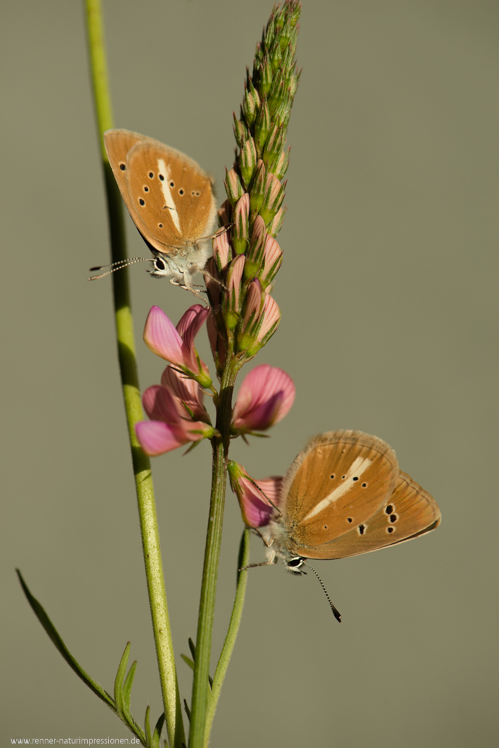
{"points": [[147, 727], [192, 647], [61, 647], [118, 681], [188, 661], [157, 731], [127, 685], [187, 710]]}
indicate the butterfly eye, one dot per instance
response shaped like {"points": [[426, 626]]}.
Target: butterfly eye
{"points": [[159, 264], [295, 563], [122, 166]]}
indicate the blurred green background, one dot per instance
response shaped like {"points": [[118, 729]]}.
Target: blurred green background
{"points": [[388, 294]]}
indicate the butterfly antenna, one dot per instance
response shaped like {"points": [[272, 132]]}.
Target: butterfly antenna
{"points": [[264, 495], [117, 266], [336, 612]]}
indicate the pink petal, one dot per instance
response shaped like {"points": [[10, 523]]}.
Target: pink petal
{"points": [[191, 322], [271, 316], [265, 415], [188, 327], [221, 250], [160, 405], [266, 392], [162, 338], [156, 437], [184, 390], [256, 510]]}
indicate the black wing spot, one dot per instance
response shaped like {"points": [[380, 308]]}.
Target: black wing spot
{"points": [[364, 485], [151, 175], [181, 191], [162, 179], [343, 477], [332, 476], [361, 529], [146, 188], [122, 166], [393, 518], [350, 519], [389, 509], [355, 478], [160, 225], [142, 202], [390, 529]]}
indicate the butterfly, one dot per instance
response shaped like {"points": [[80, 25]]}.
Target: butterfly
{"points": [[344, 495], [171, 201]]}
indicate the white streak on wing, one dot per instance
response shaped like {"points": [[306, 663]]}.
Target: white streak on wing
{"points": [[169, 201], [358, 466]]}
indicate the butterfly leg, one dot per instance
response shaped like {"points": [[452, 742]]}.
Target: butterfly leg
{"points": [[187, 288]]}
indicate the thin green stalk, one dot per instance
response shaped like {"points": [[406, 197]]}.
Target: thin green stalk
{"points": [[230, 639], [131, 391], [200, 686]]}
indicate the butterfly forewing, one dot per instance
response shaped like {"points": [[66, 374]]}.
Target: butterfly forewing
{"points": [[172, 196], [339, 481], [168, 196], [409, 512], [118, 143]]}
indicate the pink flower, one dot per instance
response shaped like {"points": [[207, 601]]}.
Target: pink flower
{"points": [[172, 407], [265, 397], [257, 499], [176, 345]]}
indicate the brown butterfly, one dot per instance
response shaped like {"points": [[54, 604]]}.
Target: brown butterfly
{"points": [[170, 199], [344, 495]]}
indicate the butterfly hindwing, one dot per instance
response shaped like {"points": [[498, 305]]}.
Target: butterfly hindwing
{"points": [[340, 479]]}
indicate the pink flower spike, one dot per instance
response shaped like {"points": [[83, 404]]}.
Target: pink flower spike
{"points": [[255, 504], [265, 397], [157, 437]]}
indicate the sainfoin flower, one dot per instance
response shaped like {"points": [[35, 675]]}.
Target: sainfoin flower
{"points": [[177, 414], [265, 397], [257, 498], [176, 344]]}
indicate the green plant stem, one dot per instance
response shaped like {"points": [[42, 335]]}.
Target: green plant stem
{"points": [[200, 686], [131, 391], [230, 639]]}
